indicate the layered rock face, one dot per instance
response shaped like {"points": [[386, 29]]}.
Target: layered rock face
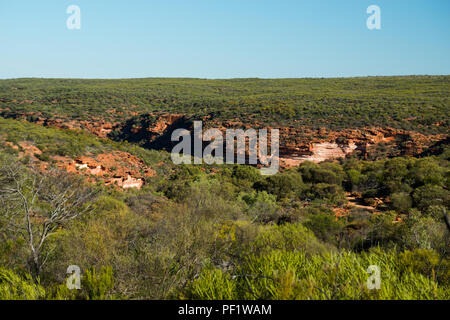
{"points": [[117, 168], [364, 143], [296, 144], [319, 152], [305, 144]]}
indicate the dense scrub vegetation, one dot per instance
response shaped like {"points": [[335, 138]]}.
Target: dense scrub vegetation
{"points": [[56, 142], [226, 232], [416, 102]]}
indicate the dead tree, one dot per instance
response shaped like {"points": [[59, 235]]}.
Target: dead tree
{"points": [[36, 204]]}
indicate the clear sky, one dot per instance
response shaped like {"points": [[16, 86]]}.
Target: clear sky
{"points": [[223, 39]]}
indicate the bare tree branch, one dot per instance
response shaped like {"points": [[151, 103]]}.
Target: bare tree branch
{"points": [[36, 204]]}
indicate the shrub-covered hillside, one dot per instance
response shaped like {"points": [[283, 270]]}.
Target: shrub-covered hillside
{"points": [[419, 103], [222, 232]]}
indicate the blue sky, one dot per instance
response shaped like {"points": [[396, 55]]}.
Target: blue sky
{"points": [[223, 39]]}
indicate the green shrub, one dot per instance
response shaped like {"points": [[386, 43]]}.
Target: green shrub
{"points": [[401, 201], [94, 286], [430, 195], [213, 284], [325, 227], [15, 287], [284, 185], [426, 262], [98, 286], [280, 274], [289, 237], [243, 172]]}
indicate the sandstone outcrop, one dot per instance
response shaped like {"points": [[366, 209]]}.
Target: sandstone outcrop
{"points": [[117, 168], [296, 144]]}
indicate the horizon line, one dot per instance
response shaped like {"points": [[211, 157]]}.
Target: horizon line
{"points": [[231, 78]]}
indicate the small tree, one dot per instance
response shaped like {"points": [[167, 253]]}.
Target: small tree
{"points": [[36, 204], [401, 201]]}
